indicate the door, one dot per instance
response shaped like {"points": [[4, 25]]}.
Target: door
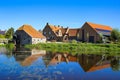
{"points": [[91, 39], [83, 35]]}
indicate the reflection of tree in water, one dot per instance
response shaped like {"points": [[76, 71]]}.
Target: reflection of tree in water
{"points": [[115, 64]]}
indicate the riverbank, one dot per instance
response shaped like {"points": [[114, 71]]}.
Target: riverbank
{"points": [[9, 46], [75, 48]]}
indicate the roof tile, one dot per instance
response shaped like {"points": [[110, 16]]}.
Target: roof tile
{"points": [[31, 31], [99, 26]]}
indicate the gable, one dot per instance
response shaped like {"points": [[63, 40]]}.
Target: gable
{"points": [[73, 32], [31, 31], [99, 26], [100, 29]]}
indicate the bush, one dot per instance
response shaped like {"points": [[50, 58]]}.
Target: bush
{"points": [[73, 41], [10, 46]]}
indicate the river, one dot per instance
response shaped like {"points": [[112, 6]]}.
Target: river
{"points": [[25, 64]]}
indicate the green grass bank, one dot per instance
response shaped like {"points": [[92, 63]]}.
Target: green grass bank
{"points": [[74, 48], [9, 46]]}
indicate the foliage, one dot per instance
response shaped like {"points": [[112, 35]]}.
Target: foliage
{"points": [[10, 46], [2, 36], [77, 47], [115, 35], [2, 45], [9, 33], [73, 41]]}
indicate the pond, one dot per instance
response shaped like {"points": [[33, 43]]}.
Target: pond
{"points": [[23, 64]]}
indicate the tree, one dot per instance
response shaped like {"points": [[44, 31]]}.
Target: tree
{"points": [[9, 33], [115, 35]]}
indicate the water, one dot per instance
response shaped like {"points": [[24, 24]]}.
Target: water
{"points": [[34, 64]]}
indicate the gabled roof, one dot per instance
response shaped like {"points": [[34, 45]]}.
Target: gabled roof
{"points": [[99, 26], [30, 59], [73, 32], [54, 28], [63, 30], [94, 68], [101, 29], [31, 31]]}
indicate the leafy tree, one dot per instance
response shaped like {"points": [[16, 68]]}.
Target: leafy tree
{"points": [[115, 35], [9, 33]]}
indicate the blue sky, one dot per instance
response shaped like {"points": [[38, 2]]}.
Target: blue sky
{"points": [[71, 13]]}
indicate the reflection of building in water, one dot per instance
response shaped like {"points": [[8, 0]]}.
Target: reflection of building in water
{"points": [[35, 51], [30, 59], [56, 58], [26, 58], [93, 62], [87, 62]]}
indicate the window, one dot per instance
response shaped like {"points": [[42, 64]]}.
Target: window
{"points": [[44, 33], [24, 38], [49, 32], [28, 40]]}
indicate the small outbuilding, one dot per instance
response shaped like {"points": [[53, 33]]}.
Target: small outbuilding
{"points": [[26, 34]]}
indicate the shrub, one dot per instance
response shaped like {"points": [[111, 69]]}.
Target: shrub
{"points": [[73, 41]]}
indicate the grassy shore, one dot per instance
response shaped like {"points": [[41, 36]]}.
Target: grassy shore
{"points": [[9, 46], [75, 48]]}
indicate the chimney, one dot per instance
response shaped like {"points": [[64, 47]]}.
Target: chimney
{"points": [[47, 23], [58, 25]]}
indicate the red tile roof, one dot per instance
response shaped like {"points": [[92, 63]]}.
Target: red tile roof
{"points": [[54, 28], [99, 26], [31, 31], [29, 60], [73, 32], [94, 68], [63, 30]]}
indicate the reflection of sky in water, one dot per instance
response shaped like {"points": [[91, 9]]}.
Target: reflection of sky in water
{"points": [[12, 70]]}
